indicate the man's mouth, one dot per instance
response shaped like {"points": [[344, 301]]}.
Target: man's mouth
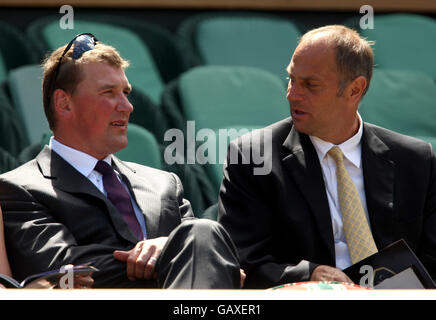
{"points": [[298, 113], [119, 123]]}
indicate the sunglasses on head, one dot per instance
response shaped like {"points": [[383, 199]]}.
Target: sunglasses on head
{"points": [[82, 42]]}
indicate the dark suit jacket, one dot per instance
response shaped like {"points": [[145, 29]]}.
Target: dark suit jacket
{"points": [[281, 222], [56, 216]]}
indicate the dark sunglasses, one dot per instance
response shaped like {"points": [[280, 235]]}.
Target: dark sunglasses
{"points": [[82, 42]]}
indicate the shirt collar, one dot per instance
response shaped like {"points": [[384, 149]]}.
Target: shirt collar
{"points": [[351, 148], [81, 161]]}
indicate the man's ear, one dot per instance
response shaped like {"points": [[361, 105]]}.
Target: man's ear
{"points": [[356, 88], [62, 102]]}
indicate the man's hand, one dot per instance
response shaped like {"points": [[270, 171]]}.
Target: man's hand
{"points": [[327, 273], [142, 258], [243, 276], [83, 281]]}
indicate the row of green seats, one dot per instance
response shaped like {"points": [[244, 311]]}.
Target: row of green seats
{"points": [[264, 41], [239, 78]]}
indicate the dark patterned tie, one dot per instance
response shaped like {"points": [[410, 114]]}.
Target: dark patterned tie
{"points": [[119, 197]]}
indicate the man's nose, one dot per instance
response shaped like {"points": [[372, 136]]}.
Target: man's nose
{"points": [[293, 92], [124, 104]]}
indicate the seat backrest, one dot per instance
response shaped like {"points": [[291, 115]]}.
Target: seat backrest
{"points": [[15, 48], [7, 161], [142, 73], [262, 41], [3, 69], [402, 101], [25, 85], [404, 41], [12, 137], [165, 46], [142, 147], [221, 96], [147, 114], [223, 137]]}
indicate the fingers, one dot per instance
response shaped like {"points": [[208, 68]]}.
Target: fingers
{"points": [[83, 281], [141, 260], [144, 268], [132, 260], [149, 271], [121, 255], [327, 273], [243, 276]]}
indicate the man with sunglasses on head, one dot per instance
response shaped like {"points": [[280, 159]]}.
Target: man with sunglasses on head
{"points": [[77, 203]]}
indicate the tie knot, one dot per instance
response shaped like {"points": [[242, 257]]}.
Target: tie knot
{"points": [[336, 153], [104, 168]]}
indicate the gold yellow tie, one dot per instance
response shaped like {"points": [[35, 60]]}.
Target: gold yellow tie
{"points": [[357, 233]]}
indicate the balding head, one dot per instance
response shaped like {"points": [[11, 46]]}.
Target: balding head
{"points": [[354, 56]]}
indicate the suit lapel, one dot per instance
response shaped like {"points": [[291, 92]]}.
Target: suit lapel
{"points": [[148, 200], [378, 174], [64, 177], [303, 165]]}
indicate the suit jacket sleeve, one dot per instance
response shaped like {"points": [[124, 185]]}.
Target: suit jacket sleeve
{"points": [[185, 207], [244, 212]]}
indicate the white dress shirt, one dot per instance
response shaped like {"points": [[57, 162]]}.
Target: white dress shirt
{"points": [[85, 164], [352, 151]]}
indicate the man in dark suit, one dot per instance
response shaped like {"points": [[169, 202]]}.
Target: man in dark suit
{"points": [[77, 203], [289, 224]]}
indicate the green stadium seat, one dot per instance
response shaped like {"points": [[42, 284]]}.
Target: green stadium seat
{"points": [[7, 161], [25, 85], [12, 136], [211, 212], [142, 73], [402, 101], [404, 41], [142, 148], [197, 186], [15, 48], [147, 114], [223, 138], [246, 39], [222, 96], [3, 69], [164, 46]]}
